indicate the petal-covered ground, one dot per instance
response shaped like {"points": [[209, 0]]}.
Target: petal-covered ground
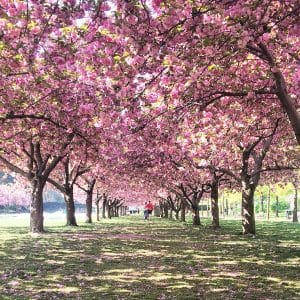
{"points": [[128, 258]]}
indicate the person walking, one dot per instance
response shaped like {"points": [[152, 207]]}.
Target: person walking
{"points": [[150, 208]]}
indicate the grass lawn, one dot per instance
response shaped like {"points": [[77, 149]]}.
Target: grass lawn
{"points": [[126, 258]]}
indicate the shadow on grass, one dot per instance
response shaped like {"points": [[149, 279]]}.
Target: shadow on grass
{"points": [[130, 259]]}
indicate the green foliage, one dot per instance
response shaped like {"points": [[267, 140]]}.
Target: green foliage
{"points": [[282, 205], [283, 191]]}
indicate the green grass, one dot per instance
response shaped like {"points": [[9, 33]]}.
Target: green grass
{"points": [[126, 258]]}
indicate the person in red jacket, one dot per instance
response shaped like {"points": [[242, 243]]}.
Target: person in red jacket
{"points": [[150, 208]]}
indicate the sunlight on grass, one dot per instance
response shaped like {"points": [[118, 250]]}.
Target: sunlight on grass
{"points": [[152, 253], [54, 277], [289, 243], [158, 276], [292, 261], [63, 289], [180, 285], [218, 290], [234, 243], [55, 262], [275, 279], [125, 258], [229, 274], [227, 262], [119, 278], [123, 271]]}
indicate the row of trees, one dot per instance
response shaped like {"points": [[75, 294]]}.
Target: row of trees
{"points": [[150, 98]]}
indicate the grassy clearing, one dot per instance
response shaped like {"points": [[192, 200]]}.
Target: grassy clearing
{"points": [[127, 258]]}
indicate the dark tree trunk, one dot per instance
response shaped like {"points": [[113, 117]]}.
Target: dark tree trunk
{"points": [[268, 204], [281, 90], [262, 204], [104, 207], [161, 210], [39, 170], [177, 214], [97, 211], [227, 208], [89, 206], [295, 211], [277, 207], [215, 205], [222, 206], [207, 211], [70, 207], [171, 214], [166, 211], [36, 206], [89, 200], [288, 103], [248, 209], [196, 216], [183, 210]]}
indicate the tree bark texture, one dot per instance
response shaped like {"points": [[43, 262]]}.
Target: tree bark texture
{"points": [[36, 206], [70, 208], [215, 204], [183, 210], [295, 211], [196, 216], [248, 223]]}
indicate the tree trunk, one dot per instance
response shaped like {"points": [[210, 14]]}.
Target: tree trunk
{"points": [[161, 208], [166, 211], [70, 207], [89, 200], [248, 209], [207, 211], [286, 100], [36, 206], [89, 206], [104, 207], [288, 104], [268, 204], [183, 209], [222, 205], [177, 214], [97, 211], [295, 211], [196, 216], [171, 214], [262, 204], [227, 208], [277, 207], [215, 205]]}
